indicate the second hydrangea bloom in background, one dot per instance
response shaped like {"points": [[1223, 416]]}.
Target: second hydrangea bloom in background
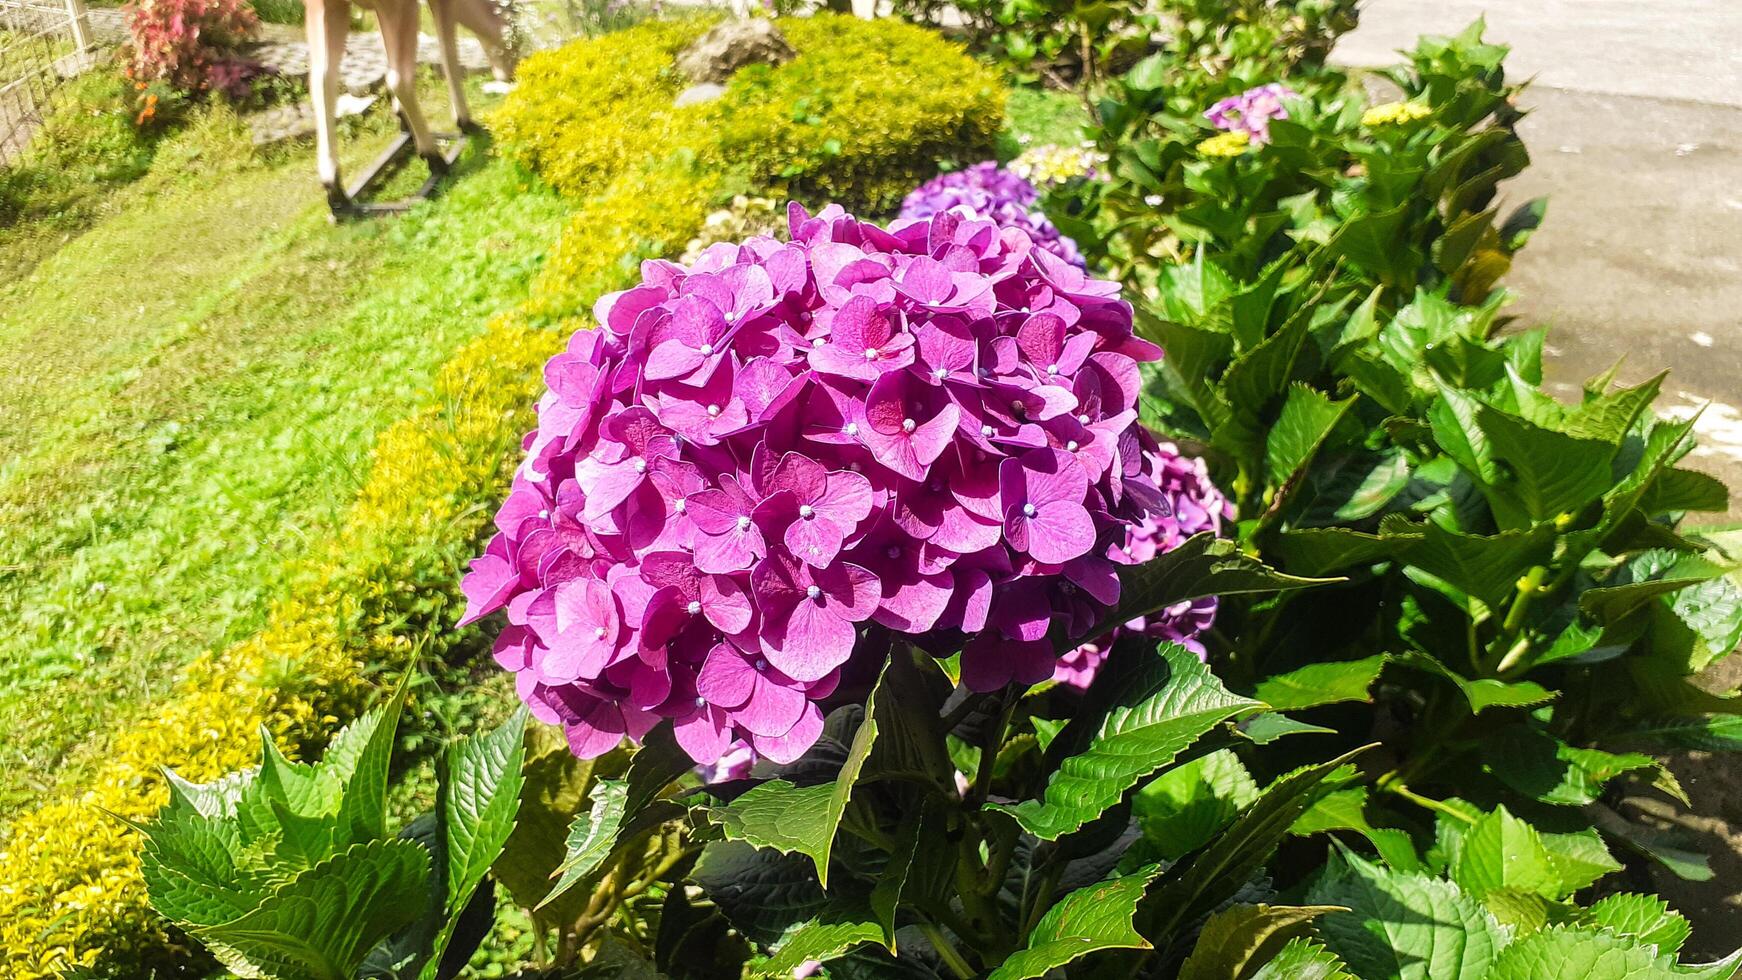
{"points": [[995, 193]]}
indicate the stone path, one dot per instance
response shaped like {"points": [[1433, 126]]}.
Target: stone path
{"points": [[364, 70]]}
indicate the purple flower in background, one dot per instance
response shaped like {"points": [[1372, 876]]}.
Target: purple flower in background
{"points": [[1251, 111], [754, 462], [990, 191], [1190, 504]]}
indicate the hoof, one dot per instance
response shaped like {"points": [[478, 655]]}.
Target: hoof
{"points": [[339, 204], [438, 165]]}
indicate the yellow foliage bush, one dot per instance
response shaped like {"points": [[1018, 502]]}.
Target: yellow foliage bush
{"points": [[859, 118]]}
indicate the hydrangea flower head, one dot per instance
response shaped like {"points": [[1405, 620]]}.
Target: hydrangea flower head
{"points": [[1395, 114], [1251, 111], [758, 460], [991, 191], [1051, 164]]}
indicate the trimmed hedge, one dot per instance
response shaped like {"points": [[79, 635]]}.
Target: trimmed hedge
{"points": [[70, 892], [858, 118]]}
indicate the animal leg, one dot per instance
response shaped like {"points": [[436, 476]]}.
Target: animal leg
{"points": [[482, 18], [445, 27], [328, 21], [398, 20]]}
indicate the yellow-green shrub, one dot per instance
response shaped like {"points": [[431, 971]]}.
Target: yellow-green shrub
{"points": [[587, 111], [858, 118], [646, 214]]}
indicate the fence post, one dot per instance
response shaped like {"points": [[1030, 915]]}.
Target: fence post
{"points": [[81, 25]]}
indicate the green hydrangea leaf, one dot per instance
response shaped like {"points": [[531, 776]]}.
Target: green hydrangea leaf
{"points": [[1181, 809], [1306, 422], [1321, 683], [1242, 937], [622, 809], [1214, 873], [1404, 925], [1268, 726], [476, 801], [763, 892], [1596, 954], [1144, 718], [1303, 959], [1503, 852], [321, 924], [1484, 693], [1646, 918], [1092, 918], [839, 929], [1543, 768], [1346, 809]]}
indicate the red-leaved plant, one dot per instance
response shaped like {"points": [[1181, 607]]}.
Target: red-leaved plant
{"points": [[190, 45]]}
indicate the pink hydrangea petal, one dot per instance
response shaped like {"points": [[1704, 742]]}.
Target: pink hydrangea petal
{"points": [[796, 742], [815, 640]]}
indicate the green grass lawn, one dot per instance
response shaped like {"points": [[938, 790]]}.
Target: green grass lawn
{"points": [[193, 385]]}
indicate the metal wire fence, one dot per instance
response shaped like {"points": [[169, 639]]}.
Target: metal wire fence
{"points": [[41, 46]]}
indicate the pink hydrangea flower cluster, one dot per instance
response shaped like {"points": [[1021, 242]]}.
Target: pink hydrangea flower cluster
{"points": [[992, 192], [1251, 111], [753, 461], [1194, 505]]}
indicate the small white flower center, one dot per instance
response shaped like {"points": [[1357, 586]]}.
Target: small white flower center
{"points": [[694, 607], [852, 428], [713, 411], [544, 515], [679, 505], [641, 466], [761, 664], [987, 431], [1052, 369], [908, 425], [743, 522], [813, 591], [1071, 447], [599, 633], [707, 349], [1083, 418], [701, 702], [732, 315], [1028, 510], [818, 342], [806, 511], [870, 353], [941, 373]]}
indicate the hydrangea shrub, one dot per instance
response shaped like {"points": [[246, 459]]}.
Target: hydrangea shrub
{"points": [[928, 429], [996, 193]]}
